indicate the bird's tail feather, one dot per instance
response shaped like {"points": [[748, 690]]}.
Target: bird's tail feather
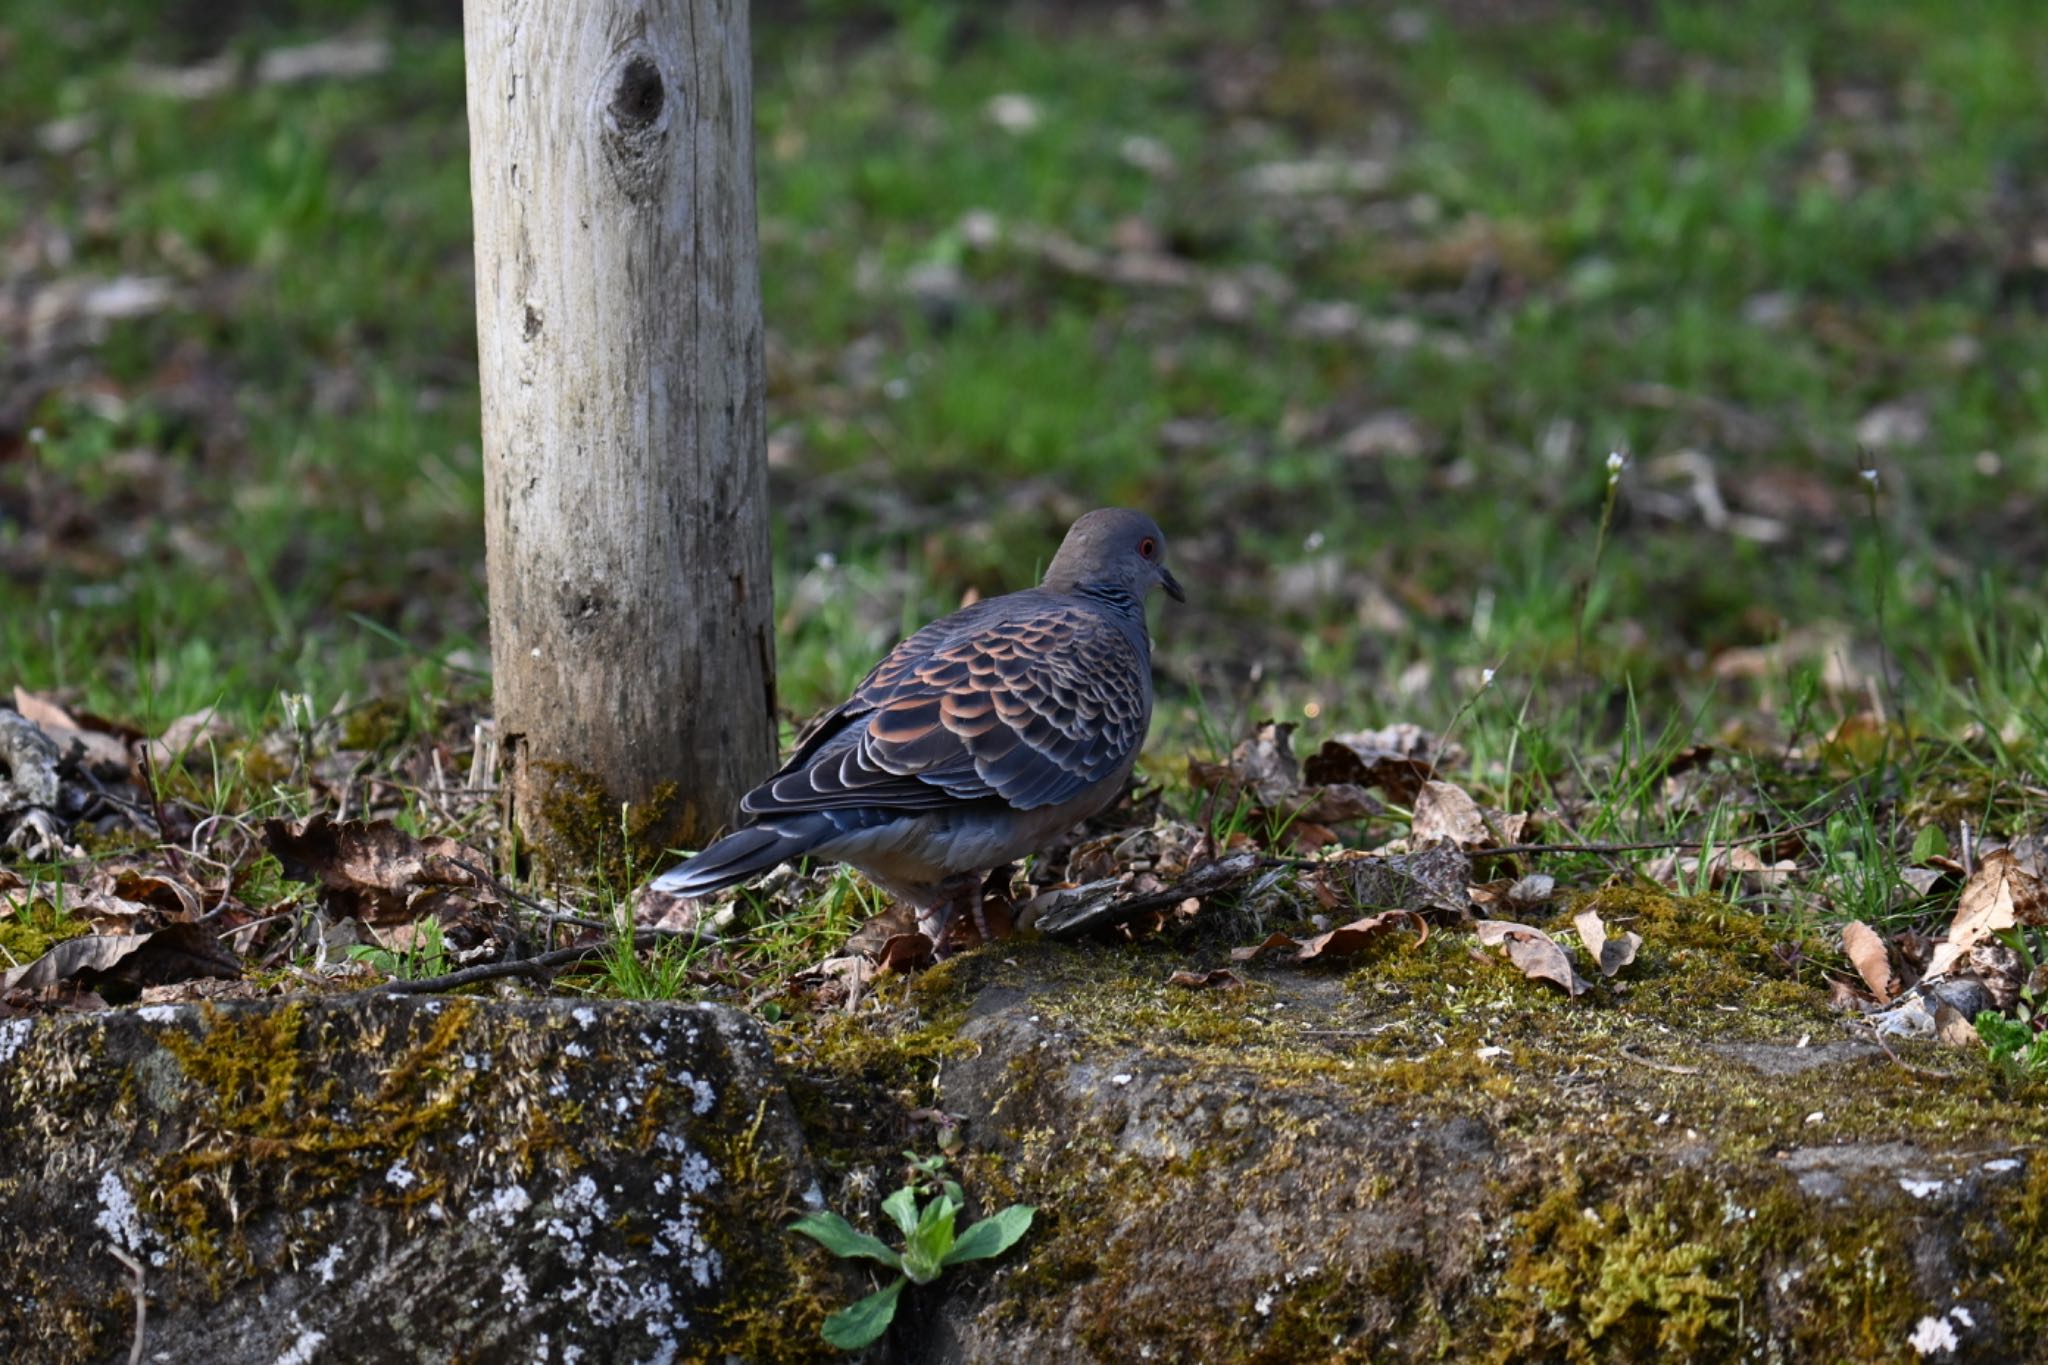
{"points": [[744, 854]]}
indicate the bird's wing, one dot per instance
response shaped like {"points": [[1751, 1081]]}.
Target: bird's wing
{"points": [[1031, 701]]}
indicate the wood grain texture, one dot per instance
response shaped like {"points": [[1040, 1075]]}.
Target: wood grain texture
{"points": [[619, 340]]}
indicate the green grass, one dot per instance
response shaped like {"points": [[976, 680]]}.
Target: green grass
{"points": [[1732, 230]]}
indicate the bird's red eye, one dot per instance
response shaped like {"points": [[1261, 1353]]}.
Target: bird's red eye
{"points": [[1148, 547]]}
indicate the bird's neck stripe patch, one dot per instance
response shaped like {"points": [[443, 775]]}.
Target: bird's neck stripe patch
{"points": [[1109, 594]]}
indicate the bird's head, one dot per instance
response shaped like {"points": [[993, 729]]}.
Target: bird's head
{"points": [[1114, 547]]}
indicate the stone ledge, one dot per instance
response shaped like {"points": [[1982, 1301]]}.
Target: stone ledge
{"points": [[396, 1178]]}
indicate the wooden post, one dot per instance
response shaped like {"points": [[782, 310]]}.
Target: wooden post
{"points": [[618, 310]]}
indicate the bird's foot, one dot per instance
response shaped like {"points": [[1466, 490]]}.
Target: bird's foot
{"points": [[940, 921]]}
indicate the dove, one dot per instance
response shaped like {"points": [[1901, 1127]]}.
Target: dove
{"points": [[976, 741]]}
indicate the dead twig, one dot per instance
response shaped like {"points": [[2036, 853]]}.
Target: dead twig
{"points": [[1925, 1073], [545, 965], [532, 904], [1107, 910], [1628, 1050], [156, 807], [1658, 845], [141, 1302]]}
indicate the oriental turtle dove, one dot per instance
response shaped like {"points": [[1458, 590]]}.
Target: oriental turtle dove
{"points": [[975, 741]]}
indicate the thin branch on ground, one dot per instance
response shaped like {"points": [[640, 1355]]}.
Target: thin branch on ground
{"points": [[1659, 845], [156, 806], [1924, 1073], [545, 965], [141, 1302], [1628, 1051], [533, 904]]}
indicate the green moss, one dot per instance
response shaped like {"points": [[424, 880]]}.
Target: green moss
{"points": [[30, 932], [257, 1138], [2017, 1242], [1635, 1276], [272, 1129], [585, 830], [781, 1287], [375, 724]]}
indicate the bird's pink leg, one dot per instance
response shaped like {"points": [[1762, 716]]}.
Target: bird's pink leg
{"points": [[934, 920], [980, 920]]}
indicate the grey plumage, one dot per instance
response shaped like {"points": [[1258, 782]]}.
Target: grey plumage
{"points": [[976, 740]]}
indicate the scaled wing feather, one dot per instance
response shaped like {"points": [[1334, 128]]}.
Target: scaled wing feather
{"points": [[1030, 703]]}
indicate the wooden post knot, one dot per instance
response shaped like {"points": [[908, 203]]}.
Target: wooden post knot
{"points": [[639, 95]]}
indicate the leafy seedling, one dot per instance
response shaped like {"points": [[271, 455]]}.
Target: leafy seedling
{"points": [[930, 1245], [2015, 1047]]}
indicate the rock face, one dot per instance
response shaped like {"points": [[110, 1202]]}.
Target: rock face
{"points": [[396, 1179], [1418, 1154], [1430, 1157]]}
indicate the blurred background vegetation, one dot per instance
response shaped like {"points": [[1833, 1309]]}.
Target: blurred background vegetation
{"points": [[1357, 299]]}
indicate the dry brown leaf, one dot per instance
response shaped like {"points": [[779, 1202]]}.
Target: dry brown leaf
{"points": [[867, 940], [1429, 879], [1745, 862], [1866, 950], [904, 952], [1741, 861], [376, 872], [1845, 997], [1276, 939], [1136, 899], [842, 979], [175, 953], [205, 988], [1397, 759], [1537, 954], [1221, 978], [1922, 880], [1342, 941], [103, 752], [1339, 803], [1828, 644], [1515, 893], [422, 934], [1609, 955], [191, 738], [2003, 972], [1165, 847], [169, 895], [1446, 811], [1860, 741], [2003, 895], [1954, 1028], [675, 914], [51, 999], [1264, 768], [1262, 765], [1347, 939]]}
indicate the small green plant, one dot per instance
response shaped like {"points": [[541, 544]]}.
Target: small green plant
{"points": [[2015, 1048], [428, 955], [2016, 1044], [929, 1245]]}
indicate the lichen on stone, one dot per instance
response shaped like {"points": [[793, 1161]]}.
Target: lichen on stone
{"points": [[321, 1157]]}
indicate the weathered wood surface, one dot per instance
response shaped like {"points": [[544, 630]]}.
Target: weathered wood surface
{"points": [[619, 339]]}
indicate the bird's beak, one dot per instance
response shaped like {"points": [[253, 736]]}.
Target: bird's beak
{"points": [[1171, 584]]}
